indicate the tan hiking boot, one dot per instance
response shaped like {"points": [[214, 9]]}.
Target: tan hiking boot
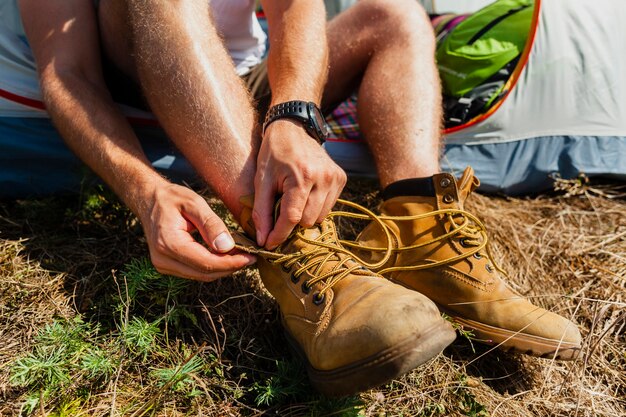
{"points": [[441, 251], [355, 329]]}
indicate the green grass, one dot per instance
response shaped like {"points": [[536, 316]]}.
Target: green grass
{"points": [[71, 358], [287, 384], [65, 362]]}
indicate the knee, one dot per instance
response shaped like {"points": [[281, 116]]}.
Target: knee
{"points": [[404, 20]]}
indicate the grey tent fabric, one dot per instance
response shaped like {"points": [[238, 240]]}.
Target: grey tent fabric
{"points": [[566, 114]]}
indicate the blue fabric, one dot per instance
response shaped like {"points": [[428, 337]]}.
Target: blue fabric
{"points": [[34, 160], [513, 168], [526, 166]]}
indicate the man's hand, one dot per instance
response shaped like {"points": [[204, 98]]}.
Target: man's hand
{"points": [[293, 164], [168, 222]]}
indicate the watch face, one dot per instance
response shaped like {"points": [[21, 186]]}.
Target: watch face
{"points": [[319, 123]]}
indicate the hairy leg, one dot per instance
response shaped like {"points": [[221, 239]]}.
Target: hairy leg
{"points": [[191, 85], [385, 48]]}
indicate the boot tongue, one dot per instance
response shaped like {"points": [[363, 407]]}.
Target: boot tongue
{"points": [[245, 218], [466, 184], [295, 243]]}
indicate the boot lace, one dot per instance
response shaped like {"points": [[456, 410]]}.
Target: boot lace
{"points": [[323, 249], [463, 226]]}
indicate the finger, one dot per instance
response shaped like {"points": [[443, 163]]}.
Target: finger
{"points": [[262, 212], [342, 180], [183, 248], [332, 197], [341, 183], [314, 206], [211, 227], [291, 207], [329, 203], [169, 266]]}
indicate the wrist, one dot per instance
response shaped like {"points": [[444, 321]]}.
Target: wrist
{"points": [[305, 114], [288, 132], [141, 192]]}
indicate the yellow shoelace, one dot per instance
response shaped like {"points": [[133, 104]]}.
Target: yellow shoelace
{"points": [[465, 226], [325, 247]]}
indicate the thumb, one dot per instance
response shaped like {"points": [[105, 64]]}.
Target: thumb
{"points": [[213, 230]]}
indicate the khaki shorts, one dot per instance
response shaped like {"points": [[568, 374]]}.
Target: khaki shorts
{"points": [[259, 86]]}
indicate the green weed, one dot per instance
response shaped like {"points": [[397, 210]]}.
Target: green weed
{"points": [[63, 358], [98, 364], [70, 408], [464, 333], [345, 407], [43, 367], [139, 336], [467, 402], [434, 410], [288, 382], [72, 335], [179, 378], [33, 400]]}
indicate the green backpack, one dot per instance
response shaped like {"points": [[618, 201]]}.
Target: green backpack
{"points": [[478, 56]]}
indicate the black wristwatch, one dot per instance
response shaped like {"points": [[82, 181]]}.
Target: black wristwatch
{"points": [[307, 113]]}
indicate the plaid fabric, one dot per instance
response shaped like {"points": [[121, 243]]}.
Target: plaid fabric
{"points": [[343, 122]]}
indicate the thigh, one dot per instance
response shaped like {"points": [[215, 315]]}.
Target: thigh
{"points": [[357, 35], [349, 52]]}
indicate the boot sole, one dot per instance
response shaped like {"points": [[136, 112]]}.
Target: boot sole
{"points": [[515, 342], [381, 367], [518, 342]]}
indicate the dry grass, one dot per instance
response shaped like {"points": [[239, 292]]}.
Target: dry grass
{"points": [[64, 258]]}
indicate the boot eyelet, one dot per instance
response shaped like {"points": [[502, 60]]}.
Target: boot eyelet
{"points": [[294, 278], [464, 243], [447, 198], [285, 268], [445, 182], [318, 298], [477, 255], [305, 288], [489, 268]]}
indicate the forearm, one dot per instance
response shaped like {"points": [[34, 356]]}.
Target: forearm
{"points": [[97, 132], [298, 58]]}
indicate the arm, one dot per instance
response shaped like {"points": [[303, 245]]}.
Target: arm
{"points": [[291, 162], [298, 58], [64, 39]]}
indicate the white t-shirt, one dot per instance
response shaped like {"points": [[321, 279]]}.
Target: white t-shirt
{"points": [[235, 20], [237, 23]]}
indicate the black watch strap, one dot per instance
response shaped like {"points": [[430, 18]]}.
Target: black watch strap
{"points": [[290, 109], [304, 112]]}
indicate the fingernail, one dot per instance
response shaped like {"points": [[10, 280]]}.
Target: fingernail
{"points": [[224, 242], [251, 260], [259, 241]]}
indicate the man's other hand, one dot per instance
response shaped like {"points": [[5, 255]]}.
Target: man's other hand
{"points": [[168, 222], [293, 164]]}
